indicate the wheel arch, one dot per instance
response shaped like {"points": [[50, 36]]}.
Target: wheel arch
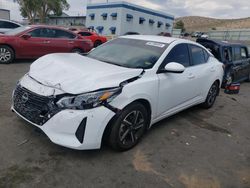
{"points": [[4, 44], [142, 101]]}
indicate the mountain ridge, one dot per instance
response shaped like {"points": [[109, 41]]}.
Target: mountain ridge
{"points": [[199, 23]]}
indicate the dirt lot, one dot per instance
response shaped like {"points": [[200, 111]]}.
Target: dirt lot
{"points": [[195, 149]]}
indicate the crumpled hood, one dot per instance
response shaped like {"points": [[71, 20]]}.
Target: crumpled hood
{"points": [[75, 74]]}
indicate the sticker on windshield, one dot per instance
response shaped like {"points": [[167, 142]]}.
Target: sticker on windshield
{"points": [[156, 44]]}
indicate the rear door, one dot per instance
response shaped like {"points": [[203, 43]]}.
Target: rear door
{"points": [[202, 70], [61, 41], [241, 63]]}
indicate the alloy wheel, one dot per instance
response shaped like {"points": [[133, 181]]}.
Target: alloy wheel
{"points": [[132, 128], [212, 94], [5, 55]]}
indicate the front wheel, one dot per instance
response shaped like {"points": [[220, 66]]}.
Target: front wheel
{"points": [[211, 96], [7, 55], [129, 127]]}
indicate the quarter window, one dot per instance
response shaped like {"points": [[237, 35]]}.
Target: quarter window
{"points": [[178, 54], [197, 54]]}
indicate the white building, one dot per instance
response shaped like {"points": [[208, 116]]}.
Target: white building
{"points": [[118, 18]]}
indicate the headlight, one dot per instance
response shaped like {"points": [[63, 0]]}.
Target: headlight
{"points": [[88, 100]]}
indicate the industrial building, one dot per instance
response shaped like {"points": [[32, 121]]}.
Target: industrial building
{"points": [[66, 20], [118, 18], [4, 14]]}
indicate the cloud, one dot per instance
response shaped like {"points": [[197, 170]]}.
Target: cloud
{"points": [[208, 8]]}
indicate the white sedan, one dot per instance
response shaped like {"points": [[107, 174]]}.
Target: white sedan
{"points": [[117, 91]]}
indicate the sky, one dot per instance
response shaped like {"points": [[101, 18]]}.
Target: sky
{"points": [[209, 8]]}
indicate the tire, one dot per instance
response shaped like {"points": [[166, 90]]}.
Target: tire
{"points": [[211, 96], [129, 127], [77, 50], [7, 55], [97, 43]]}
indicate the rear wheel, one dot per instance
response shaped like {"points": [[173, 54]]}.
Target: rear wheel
{"points": [[211, 96], [97, 43], [7, 55], [129, 127]]}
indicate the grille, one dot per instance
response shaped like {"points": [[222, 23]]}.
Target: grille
{"points": [[35, 108]]}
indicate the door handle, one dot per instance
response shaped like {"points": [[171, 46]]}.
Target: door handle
{"points": [[71, 42], [191, 76], [46, 42]]}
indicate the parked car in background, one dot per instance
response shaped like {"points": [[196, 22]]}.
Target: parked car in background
{"points": [[117, 91], [165, 34], [204, 35], [38, 40], [235, 57], [131, 33], [6, 25], [93, 36], [196, 34]]}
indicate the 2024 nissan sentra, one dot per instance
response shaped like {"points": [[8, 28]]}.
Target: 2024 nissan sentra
{"points": [[118, 90]]}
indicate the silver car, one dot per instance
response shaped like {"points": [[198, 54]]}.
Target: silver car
{"points": [[6, 25]]}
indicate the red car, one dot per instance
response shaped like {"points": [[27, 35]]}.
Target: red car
{"points": [[93, 36], [36, 41]]}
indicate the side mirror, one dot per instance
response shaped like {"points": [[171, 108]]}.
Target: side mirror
{"points": [[174, 68], [26, 36]]}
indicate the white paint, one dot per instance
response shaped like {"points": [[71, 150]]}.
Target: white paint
{"points": [[167, 93]]}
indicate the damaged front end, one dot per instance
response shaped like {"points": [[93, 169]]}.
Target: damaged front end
{"points": [[38, 109]]}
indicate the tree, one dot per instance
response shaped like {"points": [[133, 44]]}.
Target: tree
{"points": [[29, 9], [180, 25], [32, 9], [54, 7]]}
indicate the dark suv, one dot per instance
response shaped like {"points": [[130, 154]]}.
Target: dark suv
{"points": [[235, 57]]}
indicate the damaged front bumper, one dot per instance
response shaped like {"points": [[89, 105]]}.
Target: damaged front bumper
{"points": [[76, 129]]}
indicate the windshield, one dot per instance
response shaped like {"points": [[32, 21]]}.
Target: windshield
{"points": [[17, 30], [129, 53]]}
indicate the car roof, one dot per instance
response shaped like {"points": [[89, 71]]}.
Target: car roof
{"points": [[156, 38]]}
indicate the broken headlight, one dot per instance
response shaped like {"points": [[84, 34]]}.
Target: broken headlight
{"points": [[88, 100]]}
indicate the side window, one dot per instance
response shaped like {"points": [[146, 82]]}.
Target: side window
{"points": [[10, 25], [63, 34], [237, 53], [243, 53], [197, 54], [85, 34], [42, 33], [178, 54]]}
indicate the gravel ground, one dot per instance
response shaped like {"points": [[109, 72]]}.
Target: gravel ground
{"points": [[196, 148]]}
